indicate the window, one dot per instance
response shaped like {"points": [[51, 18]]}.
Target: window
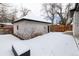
{"points": [[48, 29], [44, 27], [1, 25], [17, 27]]}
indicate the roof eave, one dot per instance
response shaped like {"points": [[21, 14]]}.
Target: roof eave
{"points": [[30, 20]]}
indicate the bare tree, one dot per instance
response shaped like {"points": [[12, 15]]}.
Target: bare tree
{"points": [[13, 15], [67, 13], [24, 11], [49, 10], [53, 9], [3, 12], [7, 15]]}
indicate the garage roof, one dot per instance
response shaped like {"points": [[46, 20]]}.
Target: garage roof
{"points": [[33, 17]]}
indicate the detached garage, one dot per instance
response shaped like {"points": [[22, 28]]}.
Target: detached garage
{"points": [[31, 26]]}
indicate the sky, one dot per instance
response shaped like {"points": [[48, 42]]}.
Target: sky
{"points": [[36, 8], [33, 6], [39, 1]]}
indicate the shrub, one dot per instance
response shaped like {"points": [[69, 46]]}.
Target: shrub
{"points": [[35, 34]]}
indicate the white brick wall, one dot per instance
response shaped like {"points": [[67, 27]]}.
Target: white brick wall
{"points": [[76, 24], [27, 27]]}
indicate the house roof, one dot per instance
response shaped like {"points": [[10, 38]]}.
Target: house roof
{"points": [[75, 8], [33, 17], [7, 23]]}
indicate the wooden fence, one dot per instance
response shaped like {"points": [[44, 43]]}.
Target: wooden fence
{"points": [[6, 30], [60, 28]]}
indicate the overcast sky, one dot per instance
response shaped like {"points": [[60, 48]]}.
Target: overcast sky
{"points": [[39, 1], [35, 8]]}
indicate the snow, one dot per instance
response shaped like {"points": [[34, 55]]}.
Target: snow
{"points": [[20, 48], [51, 44], [6, 42], [7, 23], [33, 16]]}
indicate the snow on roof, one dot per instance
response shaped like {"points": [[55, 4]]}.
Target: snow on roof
{"points": [[7, 23], [20, 48], [73, 6], [35, 17]]}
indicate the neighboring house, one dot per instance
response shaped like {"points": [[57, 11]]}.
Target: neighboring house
{"points": [[6, 28], [31, 26], [75, 15]]}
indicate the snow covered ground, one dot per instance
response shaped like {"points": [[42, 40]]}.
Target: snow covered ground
{"points": [[77, 41], [51, 44], [6, 42]]}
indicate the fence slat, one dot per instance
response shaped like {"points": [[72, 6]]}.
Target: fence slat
{"points": [[60, 28]]}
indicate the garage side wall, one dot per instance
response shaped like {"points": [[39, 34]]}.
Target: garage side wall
{"points": [[76, 24], [30, 29]]}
